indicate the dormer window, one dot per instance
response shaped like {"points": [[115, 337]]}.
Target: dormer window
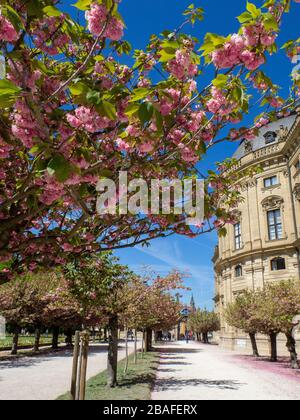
{"points": [[270, 137]]}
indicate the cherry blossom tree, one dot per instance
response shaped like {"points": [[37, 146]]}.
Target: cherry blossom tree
{"points": [[62, 311], [280, 303], [204, 322], [73, 113], [22, 303], [269, 311], [152, 304], [96, 283], [241, 314]]}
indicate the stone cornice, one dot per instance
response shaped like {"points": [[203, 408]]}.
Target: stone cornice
{"points": [[293, 139], [268, 250], [274, 153]]}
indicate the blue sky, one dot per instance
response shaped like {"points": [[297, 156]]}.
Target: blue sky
{"points": [[144, 18]]}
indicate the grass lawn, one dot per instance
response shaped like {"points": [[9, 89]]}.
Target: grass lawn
{"points": [[135, 385], [26, 341]]}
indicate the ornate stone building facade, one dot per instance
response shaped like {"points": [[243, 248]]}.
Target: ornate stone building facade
{"points": [[264, 246]]}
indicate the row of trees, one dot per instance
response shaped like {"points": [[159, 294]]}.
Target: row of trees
{"points": [[269, 311], [91, 293], [203, 322]]}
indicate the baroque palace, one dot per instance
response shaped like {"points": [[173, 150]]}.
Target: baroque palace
{"points": [[264, 246]]}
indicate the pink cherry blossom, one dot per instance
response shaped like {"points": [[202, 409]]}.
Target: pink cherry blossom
{"points": [[4, 149], [182, 66], [97, 18], [7, 31]]}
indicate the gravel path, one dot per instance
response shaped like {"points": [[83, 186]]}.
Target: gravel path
{"points": [[46, 377], [198, 372]]}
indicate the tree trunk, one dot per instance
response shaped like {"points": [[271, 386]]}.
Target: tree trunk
{"points": [[15, 341], [55, 335], [135, 347], [143, 344], [273, 344], [112, 360], [37, 336], [148, 340], [105, 334], [126, 350], [291, 346], [69, 337], [254, 344]]}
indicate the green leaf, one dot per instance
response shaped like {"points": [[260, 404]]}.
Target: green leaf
{"points": [[7, 101], [222, 232], [107, 109], [60, 168], [139, 93], [255, 12], [159, 121], [245, 17], [212, 42], [132, 109], [8, 93], [270, 23], [220, 81], [83, 4], [166, 55], [93, 97], [146, 112], [8, 88], [52, 11], [78, 89]]}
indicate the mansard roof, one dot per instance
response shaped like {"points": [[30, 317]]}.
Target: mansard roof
{"points": [[272, 129]]}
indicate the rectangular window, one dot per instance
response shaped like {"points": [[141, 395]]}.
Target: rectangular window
{"points": [[238, 236], [275, 225], [278, 264], [239, 271], [270, 182]]}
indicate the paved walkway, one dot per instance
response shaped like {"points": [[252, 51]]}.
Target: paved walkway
{"points": [[46, 377], [198, 372]]}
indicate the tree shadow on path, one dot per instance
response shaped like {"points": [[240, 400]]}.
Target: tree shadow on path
{"points": [[173, 351], [38, 358], [174, 384]]}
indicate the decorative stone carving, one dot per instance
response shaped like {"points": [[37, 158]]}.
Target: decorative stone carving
{"points": [[270, 137], [248, 146], [236, 215], [297, 191], [252, 183], [286, 174], [282, 133], [272, 203]]}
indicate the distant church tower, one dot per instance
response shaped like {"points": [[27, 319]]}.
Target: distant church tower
{"points": [[192, 304]]}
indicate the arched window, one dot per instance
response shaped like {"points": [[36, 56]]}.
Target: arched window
{"points": [[238, 271], [278, 264]]}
